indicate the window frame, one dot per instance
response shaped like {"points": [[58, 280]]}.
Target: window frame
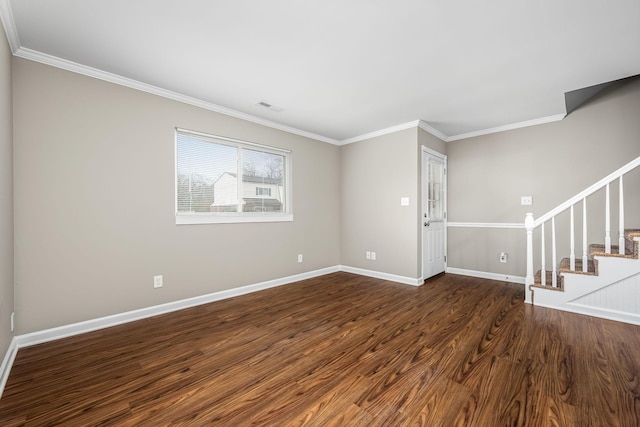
{"points": [[186, 218]]}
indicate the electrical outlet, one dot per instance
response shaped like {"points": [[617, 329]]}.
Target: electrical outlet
{"points": [[526, 200], [300, 257], [373, 256], [503, 257], [157, 281], [368, 255]]}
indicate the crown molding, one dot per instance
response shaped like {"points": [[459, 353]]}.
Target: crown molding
{"points": [[381, 132], [6, 17], [518, 125], [433, 131], [74, 67], [409, 125]]}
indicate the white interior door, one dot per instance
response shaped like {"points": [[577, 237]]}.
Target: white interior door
{"points": [[433, 213]]}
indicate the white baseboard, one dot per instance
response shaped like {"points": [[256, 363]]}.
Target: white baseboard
{"points": [[385, 276], [486, 275], [33, 338], [7, 363], [603, 313], [65, 331]]}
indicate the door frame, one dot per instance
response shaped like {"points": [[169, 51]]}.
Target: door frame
{"points": [[423, 171]]}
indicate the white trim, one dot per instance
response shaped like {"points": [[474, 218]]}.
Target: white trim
{"points": [[385, 276], [65, 331], [7, 363], [9, 24], [74, 67], [486, 224], [435, 153], [230, 218], [43, 58], [518, 125], [73, 329], [381, 132], [486, 275], [433, 131], [409, 125], [143, 313], [588, 191], [618, 316]]}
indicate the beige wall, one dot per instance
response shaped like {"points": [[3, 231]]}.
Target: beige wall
{"points": [[94, 198], [94, 203], [551, 162], [376, 173], [6, 196]]}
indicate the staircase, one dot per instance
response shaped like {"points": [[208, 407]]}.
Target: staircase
{"points": [[604, 280]]}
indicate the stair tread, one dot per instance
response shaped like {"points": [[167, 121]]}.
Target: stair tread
{"points": [[630, 247], [599, 249], [632, 232], [631, 251], [565, 267], [537, 281]]}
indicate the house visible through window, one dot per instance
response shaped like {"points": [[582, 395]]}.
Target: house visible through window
{"points": [[261, 191], [225, 180]]}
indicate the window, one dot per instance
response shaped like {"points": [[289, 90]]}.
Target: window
{"points": [[222, 180], [261, 191]]}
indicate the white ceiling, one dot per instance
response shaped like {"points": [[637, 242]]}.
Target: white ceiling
{"points": [[341, 69]]}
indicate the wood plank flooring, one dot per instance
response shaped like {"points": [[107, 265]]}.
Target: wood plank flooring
{"points": [[339, 350]]}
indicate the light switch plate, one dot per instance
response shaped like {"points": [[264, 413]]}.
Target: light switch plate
{"points": [[157, 281], [526, 200]]}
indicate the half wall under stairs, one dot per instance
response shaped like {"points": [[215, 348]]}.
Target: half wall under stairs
{"points": [[601, 279], [610, 288]]}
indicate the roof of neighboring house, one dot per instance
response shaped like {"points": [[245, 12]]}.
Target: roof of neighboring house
{"points": [[258, 179]]}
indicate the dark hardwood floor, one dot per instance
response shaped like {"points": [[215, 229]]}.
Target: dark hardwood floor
{"points": [[339, 350]]}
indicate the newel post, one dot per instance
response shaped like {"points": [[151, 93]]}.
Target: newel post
{"points": [[528, 280]]}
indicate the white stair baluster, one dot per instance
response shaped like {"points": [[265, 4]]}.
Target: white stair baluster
{"points": [[607, 223], [585, 264], [554, 275], [572, 255], [529, 279], [621, 222], [543, 271]]}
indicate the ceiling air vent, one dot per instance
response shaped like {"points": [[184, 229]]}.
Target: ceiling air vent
{"points": [[264, 104]]}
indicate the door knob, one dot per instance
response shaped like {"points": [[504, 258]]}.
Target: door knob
{"points": [[426, 224]]}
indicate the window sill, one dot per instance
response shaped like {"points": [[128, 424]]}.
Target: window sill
{"points": [[187, 219]]}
